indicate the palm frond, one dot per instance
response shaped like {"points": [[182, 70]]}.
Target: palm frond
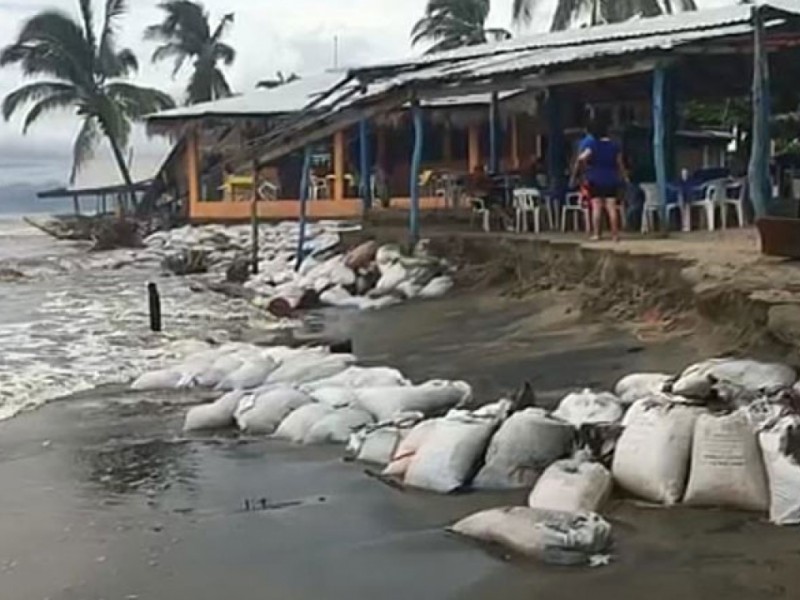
{"points": [[223, 26], [33, 92], [225, 53], [88, 23], [58, 101], [83, 148], [219, 85], [135, 101]]}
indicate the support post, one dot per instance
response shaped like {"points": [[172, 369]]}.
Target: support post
{"points": [[416, 163], [758, 169], [515, 161], [76, 205], [556, 160], [494, 157], [365, 180], [338, 165], [192, 170], [154, 305], [447, 143], [473, 147], [254, 221], [305, 185], [659, 138]]}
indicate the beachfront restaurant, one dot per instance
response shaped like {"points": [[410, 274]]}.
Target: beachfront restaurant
{"points": [[640, 71]]}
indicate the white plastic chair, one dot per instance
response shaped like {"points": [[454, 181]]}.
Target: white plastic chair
{"points": [[652, 208], [479, 209], [739, 188], [712, 198], [529, 201], [319, 188], [573, 205]]}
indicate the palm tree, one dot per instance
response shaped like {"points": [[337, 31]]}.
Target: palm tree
{"points": [[79, 67], [185, 33], [600, 11], [280, 79], [454, 23]]}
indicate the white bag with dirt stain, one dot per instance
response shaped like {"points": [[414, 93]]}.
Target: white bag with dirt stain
{"points": [[526, 443], [739, 378], [298, 423], [572, 485], [780, 445], [216, 415], [584, 407], [337, 426], [448, 456], [263, 413], [652, 456], [726, 468], [638, 386], [251, 374], [408, 446], [430, 398], [556, 537]]}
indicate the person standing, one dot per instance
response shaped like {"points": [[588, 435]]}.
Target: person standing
{"points": [[604, 173]]}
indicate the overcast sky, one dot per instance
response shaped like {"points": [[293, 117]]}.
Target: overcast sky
{"points": [[269, 35]]}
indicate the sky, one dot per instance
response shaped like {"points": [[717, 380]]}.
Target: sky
{"points": [[269, 35]]}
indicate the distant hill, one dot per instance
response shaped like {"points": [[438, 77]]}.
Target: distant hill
{"points": [[20, 199]]}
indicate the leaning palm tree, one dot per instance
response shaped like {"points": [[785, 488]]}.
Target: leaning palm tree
{"points": [[280, 79], [454, 23], [80, 68], [185, 33], [600, 11]]}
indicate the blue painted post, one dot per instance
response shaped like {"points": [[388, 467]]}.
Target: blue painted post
{"points": [[659, 138], [305, 184], [555, 146], [416, 163], [366, 171], [494, 157], [758, 169]]}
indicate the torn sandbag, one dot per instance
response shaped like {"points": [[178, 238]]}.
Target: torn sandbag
{"points": [[589, 407], [652, 455], [555, 537], [780, 446], [734, 379], [637, 386], [726, 467], [524, 445], [430, 398], [262, 413], [448, 457], [298, 423], [337, 426], [572, 485], [216, 415]]}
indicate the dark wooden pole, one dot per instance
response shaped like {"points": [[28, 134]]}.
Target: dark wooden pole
{"points": [[758, 169], [254, 219], [416, 163], [154, 301], [305, 185]]}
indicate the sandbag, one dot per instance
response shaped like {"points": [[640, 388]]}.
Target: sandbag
{"points": [[362, 255], [391, 276], [436, 287], [216, 415], [163, 379], [334, 397], [430, 398], [262, 413], [726, 468], [780, 445], [447, 458], [587, 406], [572, 485], [296, 426], [251, 374], [652, 455], [408, 447], [637, 386], [555, 537], [526, 443], [310, 367], [337, 426], [736, 378], [220, 369], [360, 377]]}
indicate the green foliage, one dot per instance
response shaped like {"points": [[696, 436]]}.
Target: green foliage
{"points": [[454, 23], [600, 11]]}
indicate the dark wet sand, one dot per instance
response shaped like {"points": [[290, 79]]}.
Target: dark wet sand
{"points": [[102, 498]]}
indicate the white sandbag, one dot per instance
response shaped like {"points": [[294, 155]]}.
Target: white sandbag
{"points": [[262, 413], [310, 367], [526, 443], [378, 445], [216, 415], [436, 287], [572, 485], [163, 379], [337, 426], [780, 445], [388, 254], [637, 386], [391, 276], [652, 454], [589, 407], [738, 377], [220, 369], [296, 426], [186, 348], [360, 377], [726, 468], [408, 447], [251, 374], [339, 297], [409, 289], [553, 536], [430, 398], [447, 458], [334, 397]]}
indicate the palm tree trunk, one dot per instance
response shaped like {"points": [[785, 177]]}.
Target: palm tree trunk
{"points": [[123, 169]]}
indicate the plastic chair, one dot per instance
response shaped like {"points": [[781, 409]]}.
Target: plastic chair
{"points": [[529, 201], [479, 209], [573, 205], [739, 189], [652, 208], [712, 198], [319, 188]]}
